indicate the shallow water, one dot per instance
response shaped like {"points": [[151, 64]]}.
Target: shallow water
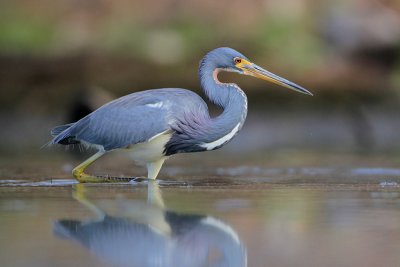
{"points": [[232, 217], [205, 211]]}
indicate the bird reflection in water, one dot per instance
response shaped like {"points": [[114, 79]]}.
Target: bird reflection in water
{"points": [[150, 235]]}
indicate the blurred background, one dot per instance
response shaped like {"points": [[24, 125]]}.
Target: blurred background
{"points": [[61, 59]]}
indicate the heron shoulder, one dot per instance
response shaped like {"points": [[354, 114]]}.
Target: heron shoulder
{"points": [[157, 98]]}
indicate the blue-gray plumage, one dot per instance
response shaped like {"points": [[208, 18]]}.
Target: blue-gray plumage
{"points": [[158, 123]]}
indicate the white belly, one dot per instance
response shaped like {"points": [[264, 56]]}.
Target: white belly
{"points": [[151, 150]]}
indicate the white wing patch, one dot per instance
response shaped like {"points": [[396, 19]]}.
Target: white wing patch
{"points": [[157, 135], [222, 140], [155, 105]]}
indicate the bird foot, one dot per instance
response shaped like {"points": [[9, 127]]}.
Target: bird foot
{"points": [[87, 178], [141, 179]]}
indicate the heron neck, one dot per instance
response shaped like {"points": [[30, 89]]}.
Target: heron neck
{"points": [[226, 95]]}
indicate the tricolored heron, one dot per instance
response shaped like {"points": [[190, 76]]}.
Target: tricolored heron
{"points": [[155, 124]]}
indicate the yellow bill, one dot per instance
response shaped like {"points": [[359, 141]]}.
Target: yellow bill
{"points": [[252, 69]]}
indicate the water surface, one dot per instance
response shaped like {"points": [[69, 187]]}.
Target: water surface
{"points": [[242, 215]]}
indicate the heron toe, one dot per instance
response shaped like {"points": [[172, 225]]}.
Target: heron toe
{"points": [[88, 178]]}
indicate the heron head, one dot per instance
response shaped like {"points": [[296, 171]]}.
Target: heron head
{"points": [[231, 60]]}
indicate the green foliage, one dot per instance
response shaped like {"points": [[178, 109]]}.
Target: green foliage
{"points": [[19, 34], [293, 39]]}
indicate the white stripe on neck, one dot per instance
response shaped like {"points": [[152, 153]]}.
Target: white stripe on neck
{"points": [[222, 140]]}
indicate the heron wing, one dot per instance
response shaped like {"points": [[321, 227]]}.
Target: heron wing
{"points": [[134, 118], [117, 126]]}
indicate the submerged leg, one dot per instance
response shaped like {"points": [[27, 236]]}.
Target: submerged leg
{"points": [[154, 196], [153, 168], [79, 193]]}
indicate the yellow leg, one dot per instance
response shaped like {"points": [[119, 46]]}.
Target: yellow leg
{"points": [[82, 177], [154, 168], [78, 171]]}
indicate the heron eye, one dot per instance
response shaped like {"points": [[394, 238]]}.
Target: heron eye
{"points": [[237, 60]]}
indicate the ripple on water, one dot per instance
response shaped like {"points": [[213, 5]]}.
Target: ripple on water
{"points": [[385, 177], [376, 171], [52, 182]]}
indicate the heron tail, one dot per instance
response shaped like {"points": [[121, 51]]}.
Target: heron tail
{"points": [[59, 129], [62, 135]]}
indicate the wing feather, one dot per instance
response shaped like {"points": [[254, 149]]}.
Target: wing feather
{"points": [[135, 118]]}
